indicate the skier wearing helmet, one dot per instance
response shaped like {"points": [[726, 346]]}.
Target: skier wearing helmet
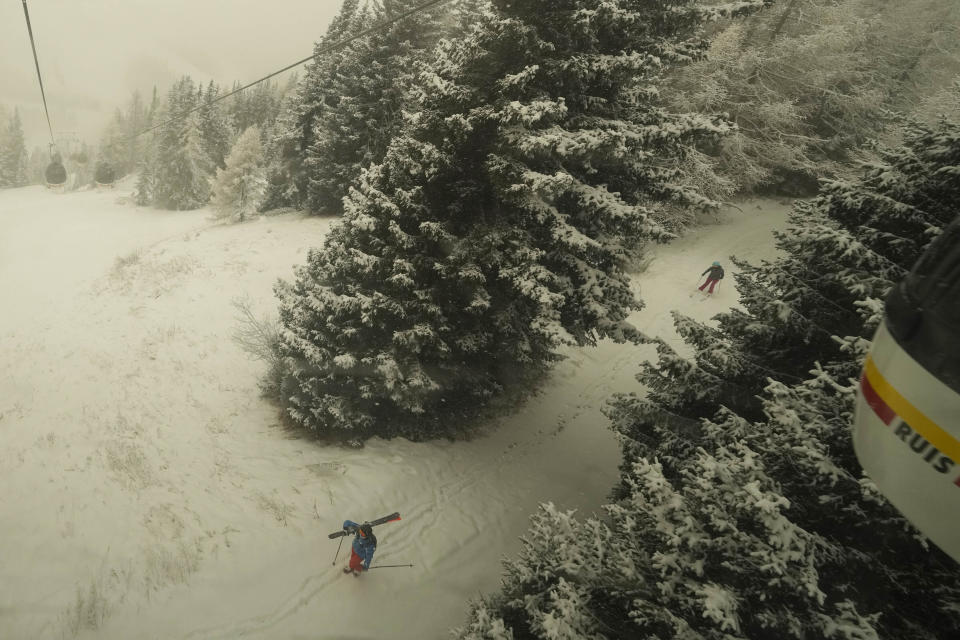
{"points": [[716, 275], [364, 544]]}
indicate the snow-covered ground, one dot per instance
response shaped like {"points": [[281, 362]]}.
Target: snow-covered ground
{"points": [[147, 491]]}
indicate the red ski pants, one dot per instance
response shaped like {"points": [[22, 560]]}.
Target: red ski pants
{"points": [[711, 282], [356, 562]]}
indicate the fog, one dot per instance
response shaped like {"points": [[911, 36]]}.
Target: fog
{"points": [[95, 53]]}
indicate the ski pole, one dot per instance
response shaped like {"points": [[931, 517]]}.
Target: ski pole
{"points": [[338, 552], [387, 566]]}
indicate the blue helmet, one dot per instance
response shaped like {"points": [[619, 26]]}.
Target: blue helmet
{"points": [[716, 264]]}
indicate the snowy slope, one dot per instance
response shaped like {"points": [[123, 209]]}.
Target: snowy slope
{"points": [[148, 492]]}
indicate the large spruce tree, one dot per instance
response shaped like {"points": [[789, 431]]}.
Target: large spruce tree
{"points": [[294, 133], [181, 167], [499, 225], [368, 93], [764, 527], [178, 166]]}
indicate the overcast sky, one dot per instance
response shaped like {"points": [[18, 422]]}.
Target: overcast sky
{"points": [[94, 53]]}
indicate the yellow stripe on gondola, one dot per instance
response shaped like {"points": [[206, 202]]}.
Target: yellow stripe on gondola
{"points": [[930, 430]]}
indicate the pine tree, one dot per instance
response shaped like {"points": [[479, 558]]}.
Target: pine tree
{"points": [[179, 171], [216, 134], [708, 555], [13, 153], [238, 189], [257, 106], [499, 226], [370, 82], [287, 175]]}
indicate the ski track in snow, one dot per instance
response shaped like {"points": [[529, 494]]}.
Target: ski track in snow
{"points": [[150, 493]]}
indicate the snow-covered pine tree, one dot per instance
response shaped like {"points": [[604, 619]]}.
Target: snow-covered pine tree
{"points": [[181, 167], [370, 84], [238, 188], [332, 157], [717, 550], [293, 135], [13, 153], [709, 554], [499, 226], [257, 105], [286, 179], [216, 134]]}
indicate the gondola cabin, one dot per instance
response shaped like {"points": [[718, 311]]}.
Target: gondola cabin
{"points": [[56, 173], [104, 175], [907, 429]]}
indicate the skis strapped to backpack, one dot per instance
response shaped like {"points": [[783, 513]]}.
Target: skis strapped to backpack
{"points": [[372, 523]]}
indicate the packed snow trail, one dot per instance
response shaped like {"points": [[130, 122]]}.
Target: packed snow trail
{"points": [[150, 493]]}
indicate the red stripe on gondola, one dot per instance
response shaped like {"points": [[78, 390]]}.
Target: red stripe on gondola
{"points": [[881, 408]]}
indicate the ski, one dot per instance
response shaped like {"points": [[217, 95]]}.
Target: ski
{"points": [[372, 523]]}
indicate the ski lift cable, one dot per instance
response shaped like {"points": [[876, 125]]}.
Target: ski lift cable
{"points": [[323, 50], [36, 61]]}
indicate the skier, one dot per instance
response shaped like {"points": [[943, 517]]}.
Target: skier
{"points": [[716, 275], [364, 544]]}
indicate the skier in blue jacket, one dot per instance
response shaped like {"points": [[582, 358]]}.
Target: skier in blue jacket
{"points": [[364, 544]]}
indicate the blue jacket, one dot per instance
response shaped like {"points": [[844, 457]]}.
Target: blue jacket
{"points": [[364, 547]]}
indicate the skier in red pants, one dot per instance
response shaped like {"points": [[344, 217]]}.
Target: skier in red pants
{"points": [[364, 544], [716, 275]]}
